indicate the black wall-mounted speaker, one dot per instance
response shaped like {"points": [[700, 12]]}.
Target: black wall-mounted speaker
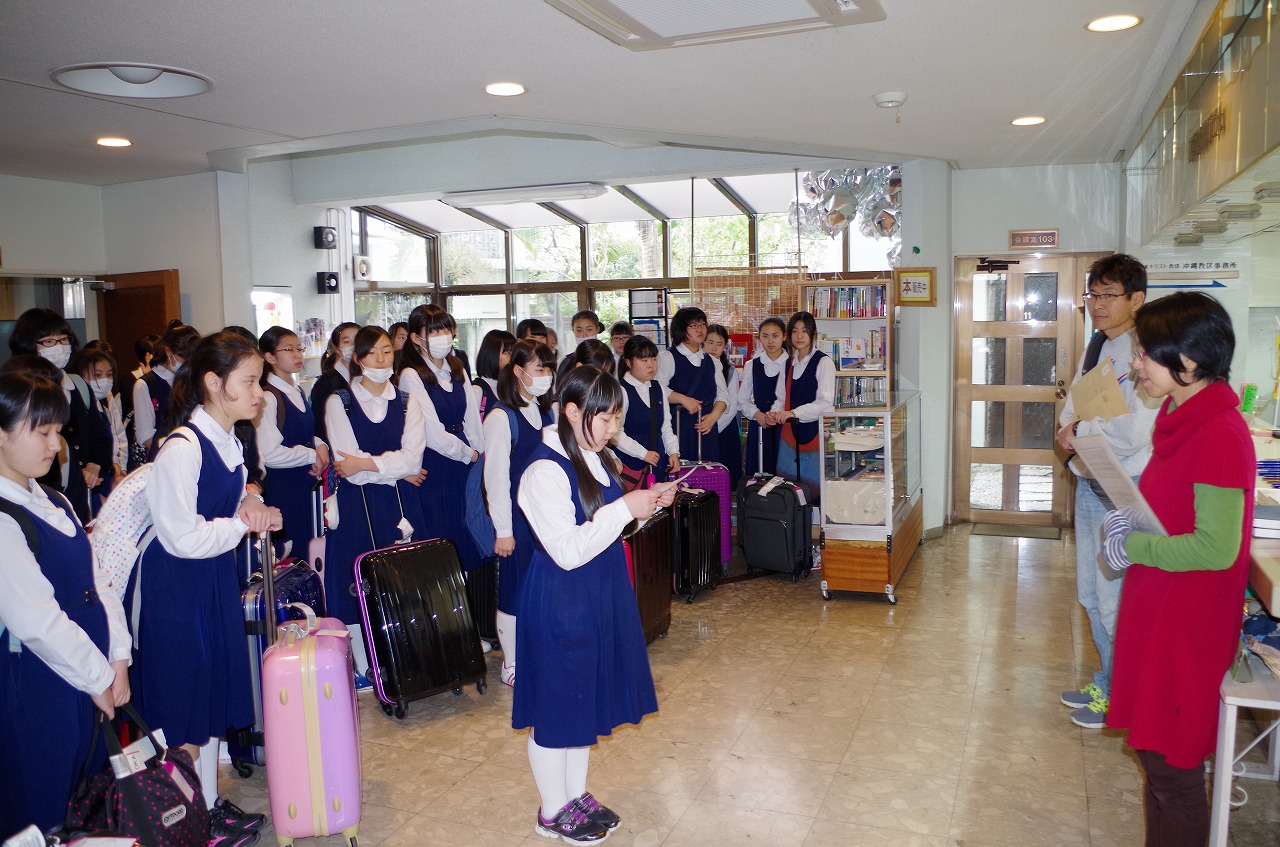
{"points": [[326, 282], [326, 237]]}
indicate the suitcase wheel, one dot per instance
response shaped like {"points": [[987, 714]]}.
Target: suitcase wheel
{"points": [[399, 710], [457, 692], [244, 770]]}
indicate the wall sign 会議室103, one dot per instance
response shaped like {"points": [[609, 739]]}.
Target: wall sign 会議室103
{"points": [[1033, 239]]}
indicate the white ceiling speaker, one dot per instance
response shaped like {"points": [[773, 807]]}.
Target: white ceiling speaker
{"points": [[889, 99], [361, 268], [132, 79]]}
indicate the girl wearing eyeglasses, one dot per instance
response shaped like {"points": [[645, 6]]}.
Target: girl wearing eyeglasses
{"points": [[696, 387], [291, 452]]}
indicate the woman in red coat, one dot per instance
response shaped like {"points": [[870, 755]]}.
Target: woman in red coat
{"points": [[1180, 612]]}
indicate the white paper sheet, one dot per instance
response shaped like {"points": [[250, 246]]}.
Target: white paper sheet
{"points": [[1101, 460]]}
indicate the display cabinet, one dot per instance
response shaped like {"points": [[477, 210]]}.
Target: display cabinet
{"points": [[855, 328], [870, 502]]}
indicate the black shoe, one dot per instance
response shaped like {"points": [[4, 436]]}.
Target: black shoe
{"points": [[572, 826], [232, 816], [592, 808], [221, 835]]}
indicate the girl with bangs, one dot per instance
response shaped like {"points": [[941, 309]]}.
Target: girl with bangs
{"points": [[434, 377], [584, 669], [695, 386], [645, 440], [808, 393], [494, 353], [524, 395], [335, 372], [65, 648]]}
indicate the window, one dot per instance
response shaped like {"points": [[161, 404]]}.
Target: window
{"points": [[478, 257], [776, 236], [720, 242], [383, 308], [546, 254], [475, 315], [398, 255], [553, 308], [628, 250]]}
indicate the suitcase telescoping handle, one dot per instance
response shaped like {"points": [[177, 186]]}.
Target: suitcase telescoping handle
{"points": [[267, 558], [697, 431]]}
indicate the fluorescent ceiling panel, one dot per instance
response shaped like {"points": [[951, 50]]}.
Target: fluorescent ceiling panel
{"points": [[608, 208], [672, 198], [438, 216], [765, 193], [521, 215]]}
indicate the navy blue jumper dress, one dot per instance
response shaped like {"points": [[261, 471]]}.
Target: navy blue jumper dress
{"points": [[289, 489], [443, 510], [698, 382], [801, 438], [47, 725], [488, 400], [764, 391], [192, 663], [512, 569], [358, 532], [639, 424], [584, 669]]}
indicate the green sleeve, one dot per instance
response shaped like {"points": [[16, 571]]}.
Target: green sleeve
{"points": [[1213, 546]]}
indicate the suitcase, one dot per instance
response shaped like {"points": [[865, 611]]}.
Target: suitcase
{"points": [[418, 628], [293, 582], [774, 519], [316, 549], [482, 595], [649, 551], [311, 724], [713, 476], [697, 542]]}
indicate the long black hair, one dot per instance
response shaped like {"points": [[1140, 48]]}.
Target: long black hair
{"points": [[28, 397], [178, 342], [637, 347], [423, 321], [495, 343], [593, 392], [719, 330], [591, 351], [366, 338], [270, 342], [333, 352], [523, 354], [220, 354], [810, 326]]}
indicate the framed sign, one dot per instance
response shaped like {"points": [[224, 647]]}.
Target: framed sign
{"points": [[916, 286]]}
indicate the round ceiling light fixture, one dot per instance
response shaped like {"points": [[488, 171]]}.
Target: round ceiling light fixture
{"points": [[110, 141], [131, 79], [1114, 23], [1029, 120], [504, 89], [889, 99]]}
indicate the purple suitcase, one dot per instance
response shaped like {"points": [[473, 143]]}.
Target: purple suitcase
{"points": [[714, 477]]}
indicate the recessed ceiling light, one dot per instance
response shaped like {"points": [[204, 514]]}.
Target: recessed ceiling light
{"points": [[115, 142], [504, 89], [1114, 23], [131, 79], [1029, 120], [889, 99]]}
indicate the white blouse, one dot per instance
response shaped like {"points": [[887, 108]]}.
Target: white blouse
{"points": [[497, 464], [631, 446], [31, 614], [437, 437], [734, 385], [546, 498], [824, 402], [270, 440], [774, 369], [393, 465], [173, 485], [115, 417], [667, 370], [144, 415]]}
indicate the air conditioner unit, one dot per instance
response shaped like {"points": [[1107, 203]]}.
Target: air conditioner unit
{"points": [[361, 268], [1209, 227], [1267, 192], [1187, 239], [1240, 212]]}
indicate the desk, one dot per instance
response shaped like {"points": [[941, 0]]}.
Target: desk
{"points": [[1262, 693]]}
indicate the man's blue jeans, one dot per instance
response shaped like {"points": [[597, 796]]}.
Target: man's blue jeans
{"points": [[1097, 585]]}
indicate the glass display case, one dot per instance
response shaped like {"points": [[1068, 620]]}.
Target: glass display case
{"points": [[872, 516]]}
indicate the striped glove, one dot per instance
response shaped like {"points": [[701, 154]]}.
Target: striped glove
{"points": [[1116, 527]]}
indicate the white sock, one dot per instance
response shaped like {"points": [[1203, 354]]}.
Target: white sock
{"points": [[507, 638], [550, 768], [207, 767], [575, 778], [357, 648]]}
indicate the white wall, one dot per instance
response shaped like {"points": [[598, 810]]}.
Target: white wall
{"points": [[170, 223], [50, 228], [1082, 202]]}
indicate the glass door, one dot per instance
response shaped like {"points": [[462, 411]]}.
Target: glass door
{"points": [[1017, 343]]}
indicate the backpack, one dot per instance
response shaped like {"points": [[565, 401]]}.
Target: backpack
{"points": [[479, 524]]}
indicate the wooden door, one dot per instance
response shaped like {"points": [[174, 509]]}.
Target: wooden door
{"points": [[135, 305]]}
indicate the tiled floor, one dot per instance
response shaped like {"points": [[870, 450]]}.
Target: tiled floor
{"points": [[785, 720]]}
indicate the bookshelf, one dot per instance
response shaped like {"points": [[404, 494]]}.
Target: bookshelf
{"points": [[649, 314], [855, 328]]}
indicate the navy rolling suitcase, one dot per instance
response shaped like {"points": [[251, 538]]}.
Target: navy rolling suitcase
{"points": [[774, 520]]}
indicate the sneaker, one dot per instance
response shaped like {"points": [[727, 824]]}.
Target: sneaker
{"points": [[363, 683], [1091, 716], [1082, 697], [600, 814], [485, 646], [221, 835], [508, 675], [234, 817], [571, 826]]}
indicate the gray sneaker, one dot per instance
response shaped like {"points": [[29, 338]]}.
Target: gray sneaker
{"points": [[1082, 697], [1092, 716]]}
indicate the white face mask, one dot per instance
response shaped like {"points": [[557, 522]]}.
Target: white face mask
{"points": [[101, 387], [541, 385], [347, 352], [439, 346], [59, 355], [376, 375]]}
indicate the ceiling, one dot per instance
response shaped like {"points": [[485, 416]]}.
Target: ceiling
{"points": [[293, 78]]}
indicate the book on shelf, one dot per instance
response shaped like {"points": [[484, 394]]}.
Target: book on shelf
{"points": [[845, 302], [855, 353], [857, 391]]}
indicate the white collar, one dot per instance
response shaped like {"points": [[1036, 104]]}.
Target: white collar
{"points": [[773, 367], [798, 362], [342, 368], [444, 374], [492, 383], [637, 383], [281, 383], [551, 437], [229, 448], [164, 373], [34, 498], [362, 393], [694, 356]]}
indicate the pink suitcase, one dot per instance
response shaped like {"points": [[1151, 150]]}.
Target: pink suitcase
{"points": [[312, 732]]}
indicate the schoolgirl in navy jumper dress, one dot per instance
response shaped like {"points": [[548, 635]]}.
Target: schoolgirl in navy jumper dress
{"points": [[152, 393], [727, 431], [809, 393], [335, 372], [434, 377], [584, 669], [292, 455], [645, 413], [762, 393], [95, 364], [376, 440], [695, 385], [524, 391], [64, 649], [494, 353], [192, 664]]}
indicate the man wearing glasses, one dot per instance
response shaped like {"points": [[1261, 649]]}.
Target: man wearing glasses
{"points": [[1117, 288]]}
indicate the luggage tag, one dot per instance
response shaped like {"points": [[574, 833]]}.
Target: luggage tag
{"points": [[134, 758], [406, 531], [179, 780]]}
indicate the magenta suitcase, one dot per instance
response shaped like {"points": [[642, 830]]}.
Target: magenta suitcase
{"points": [[714, 477], [312, 732]]}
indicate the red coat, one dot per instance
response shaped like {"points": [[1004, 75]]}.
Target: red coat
{"points": [[1177, 632]]}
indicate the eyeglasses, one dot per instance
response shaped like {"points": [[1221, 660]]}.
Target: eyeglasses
{"points": [[1090, 296], [696, 325], [288, 349], [55, 341]]}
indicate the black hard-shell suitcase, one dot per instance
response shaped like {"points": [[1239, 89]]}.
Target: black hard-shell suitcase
{"points": [[482, 594], [697, 542], [651, 549], [774, 525], [418, 627]]}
